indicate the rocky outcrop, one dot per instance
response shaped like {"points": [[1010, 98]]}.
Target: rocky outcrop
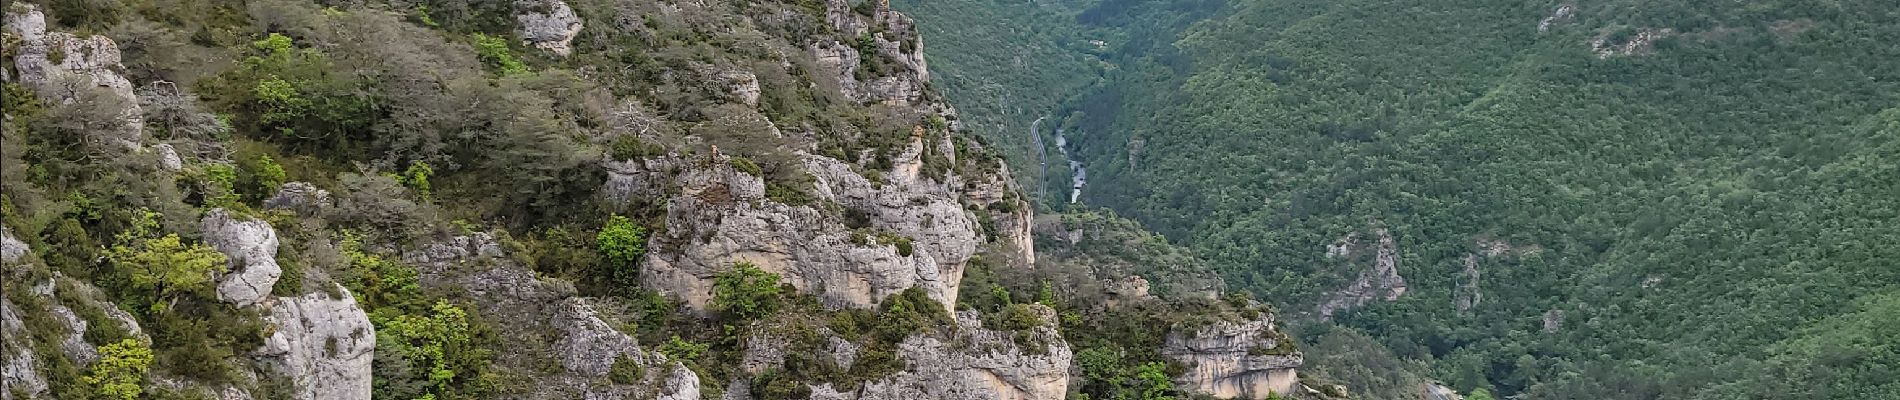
{"points": [[322, 344], [1378, 280], [917, 208], [1563, 12], [57, 65], [300, 197], [1132, 287], [547, 324], [12, 250], [1642, 41], [894, 43], [975, 363], [1553, 321], [251, 246], [547, 24], [743, 86], [1235, 359], [1468, 294], [719, 216], [20, 365], [19, 368], [168, 158]]}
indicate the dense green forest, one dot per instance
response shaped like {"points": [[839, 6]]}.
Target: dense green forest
{"points": [[1704, 196]]}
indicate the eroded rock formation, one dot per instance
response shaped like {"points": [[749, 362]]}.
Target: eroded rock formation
{"points": [[1378, 279], [1229, 359], [251, 247]]}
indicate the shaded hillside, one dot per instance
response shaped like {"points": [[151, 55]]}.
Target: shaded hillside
{"points": [[1586, 199]]}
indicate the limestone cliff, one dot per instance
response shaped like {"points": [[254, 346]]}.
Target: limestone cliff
{"points": [[1236, 359]]}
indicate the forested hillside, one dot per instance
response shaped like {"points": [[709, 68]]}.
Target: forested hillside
{"points": [[1603, 199], [555, 199]]}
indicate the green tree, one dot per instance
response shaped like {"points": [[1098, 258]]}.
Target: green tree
{"points": [[682, 350], [493, 51], [442, 343], [621, 244], [1153, 380], [1480, 394], [746, 291], [120, 372], [416, 177], [164, 266]]}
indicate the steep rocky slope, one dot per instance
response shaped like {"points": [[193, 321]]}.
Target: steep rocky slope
{"points": [[546, 200]]}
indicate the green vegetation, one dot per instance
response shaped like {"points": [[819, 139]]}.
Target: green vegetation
{"points": [[621, 243], [626, 371], [495, 53], [440, 347], [161, 268], [1692, 201], [120, 372], [746, 292], [746, 165]]}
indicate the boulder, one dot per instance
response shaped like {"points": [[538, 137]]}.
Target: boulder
{"points": [[251, 246], [547, 24], [300, 197], [168, 158]]}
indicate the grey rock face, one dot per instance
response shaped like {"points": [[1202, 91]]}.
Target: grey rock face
{"points": [[976, 364], [547, 24], [588, 345], [646, 178], [1639, 44], [1379, 280], [1468, 294], [1235, 360], [56, 64], [680, 384], [74, 343], [12, 250], [251, 246], [896, 41], [323, 344], [1553, 321], [19, 364], [168, 157], [301, 197], [743, 86], [720, 216], [19, 369], [1130, 288]]}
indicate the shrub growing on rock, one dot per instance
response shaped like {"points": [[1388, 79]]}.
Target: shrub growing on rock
{"points": [[746, 292]]}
